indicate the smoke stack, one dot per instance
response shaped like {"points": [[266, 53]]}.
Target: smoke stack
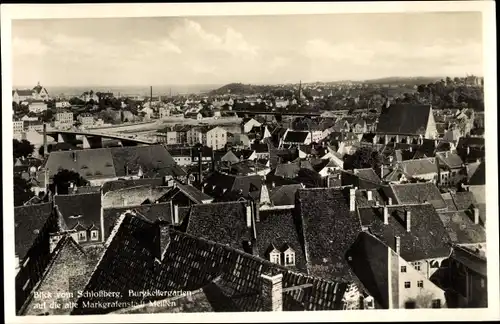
{"points": [[468, 150], [408, 220], [352, 199], [200, 166], [151, 97], [176, 215], [476, 215], [386, 215], [398, 244], [369, 195], [272, 292], [45, 146], [249, 215]]}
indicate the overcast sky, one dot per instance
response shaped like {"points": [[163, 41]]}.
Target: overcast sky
{"points": [[258, 49]]}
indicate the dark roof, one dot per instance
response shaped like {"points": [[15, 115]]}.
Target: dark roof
{"points": [[91, 163], [367, 174], [478, 142], [154, 160], [23, 92], [368, 259], [260, 148], [461, 227], [122, 184], [329, 228], [229, 278], [427, 238], [471, 260], [416, 193], [404, 119], [228, 187], [224, 223], [195, 195], [29, 221], [418, 167], [291, 170], [450, 159], [295, 137], [478, 178], [83, 209], [463, 200], [284, 195], [278, 228]]}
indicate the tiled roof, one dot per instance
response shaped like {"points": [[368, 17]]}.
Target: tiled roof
{"points": [[461, 227], [284, 195], [219, 186], [260, 148], [450, 159], [416, 168], [83, 209], [224, 223], [88, 189], [195, 195], [191, 263], [291, 170], [29, 221], [368, 259], [471, 141], [91, 163], [229, 278], [426, 239], [362, 198], [278, 228], [24, 92], [122, 184], [230, 157], [463, 200], [329, 228], [470, 260], [367, 174], [416, 193], [154, 160], [295, 137], [404, 119]]}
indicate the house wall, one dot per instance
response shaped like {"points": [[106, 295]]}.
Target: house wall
{"points": [[183, 160], [423, 296], [216, 138]]}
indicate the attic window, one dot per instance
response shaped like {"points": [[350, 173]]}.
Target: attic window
{"points": [[108, 164], [94, 235], [289, 258], [84, 167], [274, 257], [75, 216], [82, 236], [98, 173], [88, 174]]}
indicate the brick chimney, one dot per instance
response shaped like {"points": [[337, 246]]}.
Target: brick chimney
{"points": [[164, 236], [369, 195], [386, 215], [352, 199], [272, 292], [398, 244], [476, 215], [249, 215], [389, 201], [408, 220]]}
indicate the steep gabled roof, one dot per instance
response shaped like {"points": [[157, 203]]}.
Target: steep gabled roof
{"points": [[284, 195], [84, 209], [404, 119], [367, 174], [29, 221], [426, 239], [478, 178], [277, 227], [329, 228], [295, 137], [461, 227], [220, 222], [122, 184], [416, 193]]}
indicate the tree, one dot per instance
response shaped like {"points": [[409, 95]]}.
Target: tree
{"points": [[47, 116], [22, 148], [76, 101], [365, 157], [63, 178], [22, 191]]}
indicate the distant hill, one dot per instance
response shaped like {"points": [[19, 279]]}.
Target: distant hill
{"points": [[405, 80], [242, 89]]}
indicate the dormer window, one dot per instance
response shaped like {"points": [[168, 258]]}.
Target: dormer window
{"points": [[82, 236], [94, 235], [274, 257], [289, 257]]}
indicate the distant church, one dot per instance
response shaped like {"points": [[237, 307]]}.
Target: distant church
{"points": [[38, 93]]}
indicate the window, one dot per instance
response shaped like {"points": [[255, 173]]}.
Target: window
{"points": [[420, 284], [82, 236], [436, 303], [94, 235], [483, 283], [417, 266], [275, 257], [290, 258], [407, 284], [403, 268]]}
